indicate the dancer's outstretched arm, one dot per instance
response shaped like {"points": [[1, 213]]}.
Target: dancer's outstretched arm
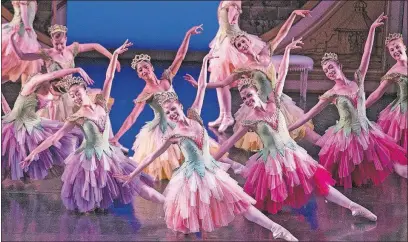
{"points": [[182, 51], [227, 81], [98, 48], [284, 65], [378, 93], [37, 80], [110, 72], [365, 60], [130, 120], [146, 161], [47, 143], [323, 102], [230, 142], [284, 30]]}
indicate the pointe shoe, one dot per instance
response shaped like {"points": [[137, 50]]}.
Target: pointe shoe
{"points": [[358, 210], [226, 122], [280, 232], [216, 122]]}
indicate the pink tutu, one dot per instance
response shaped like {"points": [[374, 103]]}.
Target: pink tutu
{"points": [[285, 180], [89, 182], [229, 57], [394, 123], [11, 65], [18, 142], [198, 203], [359, 158]]}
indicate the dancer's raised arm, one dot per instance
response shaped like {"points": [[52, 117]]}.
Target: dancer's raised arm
{"points": [[110, 73], [182, 51], [284, 65], [365, 60], [284, 30], [37, 80], [98, 48]]}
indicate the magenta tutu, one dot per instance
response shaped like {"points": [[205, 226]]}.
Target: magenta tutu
{"points": [[360, 158], [11, 65], [23, 131], [393, 119], [287, 180]]}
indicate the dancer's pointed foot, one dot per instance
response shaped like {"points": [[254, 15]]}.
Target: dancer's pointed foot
{"points": [[280, 232], [226, 122], [359, 211], [216, 122]]}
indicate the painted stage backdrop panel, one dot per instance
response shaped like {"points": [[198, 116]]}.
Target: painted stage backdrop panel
{"points": [[148, 24]]}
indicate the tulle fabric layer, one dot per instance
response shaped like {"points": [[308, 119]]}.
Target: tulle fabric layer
{"points": [[17, 144], [287, 180], [89, 183], [197, 203], [11, 65], [394, 123], [251, 141], [361, 158], [148, 141], [229, 57]]}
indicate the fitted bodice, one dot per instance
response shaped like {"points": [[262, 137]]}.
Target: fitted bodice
{"points": [[53, 65], [402, 83], [24, 111], [273, 133], [31, 11], [195, 150]]}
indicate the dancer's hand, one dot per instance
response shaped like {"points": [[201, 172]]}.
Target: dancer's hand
{"points": [[379, 21], [303, 13], [196, 30], [114, 141], [191, 80], [27, 161], [84, 75], [126, 179], [123, 48], [296, 44]]}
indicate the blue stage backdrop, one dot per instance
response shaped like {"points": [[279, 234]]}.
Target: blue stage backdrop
{"points": [[127, 86], [148, 24]]}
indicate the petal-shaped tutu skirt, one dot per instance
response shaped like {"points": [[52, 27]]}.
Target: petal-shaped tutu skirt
{"points": [[88, 181], [197, 203], [289, 179], [359, 158], [393, 121], [19, 142]]}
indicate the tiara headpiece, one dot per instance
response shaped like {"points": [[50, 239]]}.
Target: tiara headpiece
{"points": [[246, 81], [164, 97], [392, 37], [329, 56], [236, 35], [69, 81], [140, 58], [56, 28]]}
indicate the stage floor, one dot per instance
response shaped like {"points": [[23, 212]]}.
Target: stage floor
{"points": [[37, 214]]}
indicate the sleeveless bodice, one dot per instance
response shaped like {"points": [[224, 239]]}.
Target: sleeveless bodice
{"points": [[402, 83], [195, 150], [53, 65], [96, 133], [17, 17], [273, 133], [159, 115], [24, 111]]}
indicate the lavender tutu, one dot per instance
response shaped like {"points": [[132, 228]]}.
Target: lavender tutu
{"points": [[23, 130]]}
